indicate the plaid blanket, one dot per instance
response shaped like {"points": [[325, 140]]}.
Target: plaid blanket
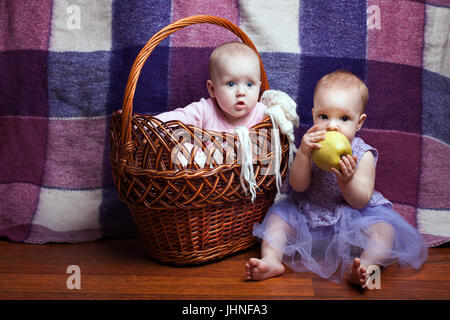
{"points": [[64, 65]]}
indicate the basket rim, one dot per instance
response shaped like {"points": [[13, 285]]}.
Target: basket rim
{"points": [[197, 173]]}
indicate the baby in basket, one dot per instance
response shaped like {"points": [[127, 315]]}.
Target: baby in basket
{"points": [[234, 86]]}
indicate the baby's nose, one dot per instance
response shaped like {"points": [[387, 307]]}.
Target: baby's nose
{"points": [[332, 126], [240, 89]]}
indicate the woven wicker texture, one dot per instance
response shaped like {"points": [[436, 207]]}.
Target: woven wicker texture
{"points": [[191, 212]]}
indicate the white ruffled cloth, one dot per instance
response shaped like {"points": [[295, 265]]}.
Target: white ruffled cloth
{"points": [[283, 114]]}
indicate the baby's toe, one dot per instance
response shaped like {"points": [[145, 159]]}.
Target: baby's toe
{"points": [[254, 262]]}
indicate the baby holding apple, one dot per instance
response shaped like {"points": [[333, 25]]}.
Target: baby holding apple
{"points": [[333, 222]]}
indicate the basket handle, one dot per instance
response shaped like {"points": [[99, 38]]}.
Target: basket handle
{"points": [[125, 138]]}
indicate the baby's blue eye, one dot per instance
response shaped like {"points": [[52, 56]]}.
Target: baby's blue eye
{"points": [[323, 117], [345, 118], [250, 84], [230, 83]]}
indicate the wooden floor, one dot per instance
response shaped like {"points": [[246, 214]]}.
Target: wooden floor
{"points": [[121, 269]]}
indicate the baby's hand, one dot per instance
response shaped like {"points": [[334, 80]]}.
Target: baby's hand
{"points": [[348, 168], [310, 140]]}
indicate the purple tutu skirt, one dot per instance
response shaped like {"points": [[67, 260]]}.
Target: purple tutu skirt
{"points": [[327, 251]]}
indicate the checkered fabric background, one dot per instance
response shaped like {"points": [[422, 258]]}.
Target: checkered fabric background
{"points": [[64, 65]]}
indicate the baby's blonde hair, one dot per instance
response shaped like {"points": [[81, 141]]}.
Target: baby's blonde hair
{"points": [[344, 79], [232, 48]]}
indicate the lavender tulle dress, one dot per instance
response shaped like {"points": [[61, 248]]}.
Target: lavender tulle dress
{"points": [[326, 234]]}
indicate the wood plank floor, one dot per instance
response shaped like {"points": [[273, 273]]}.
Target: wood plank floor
{"points": [[121, 269]]}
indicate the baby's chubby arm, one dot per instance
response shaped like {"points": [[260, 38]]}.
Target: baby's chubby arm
{"points": [[357, 187], [300, 174], [192, 114]]}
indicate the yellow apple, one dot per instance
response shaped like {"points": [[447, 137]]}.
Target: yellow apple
{"points": [[333, 147]]}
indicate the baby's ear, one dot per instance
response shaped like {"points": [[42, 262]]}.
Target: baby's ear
{"points": [[210, 87], [361, 120]]}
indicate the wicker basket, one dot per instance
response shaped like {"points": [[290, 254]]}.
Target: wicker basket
{"points": [[188, 214]]}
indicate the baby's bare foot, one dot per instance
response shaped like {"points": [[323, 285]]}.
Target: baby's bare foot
{"points": [[356, 273], [261, 269]]}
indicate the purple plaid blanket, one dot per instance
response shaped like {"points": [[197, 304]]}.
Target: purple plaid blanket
{"points": [[64, 66]]}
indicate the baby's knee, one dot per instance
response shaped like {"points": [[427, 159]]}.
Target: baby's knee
{"points": [[277, 224], [382, 229]]}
